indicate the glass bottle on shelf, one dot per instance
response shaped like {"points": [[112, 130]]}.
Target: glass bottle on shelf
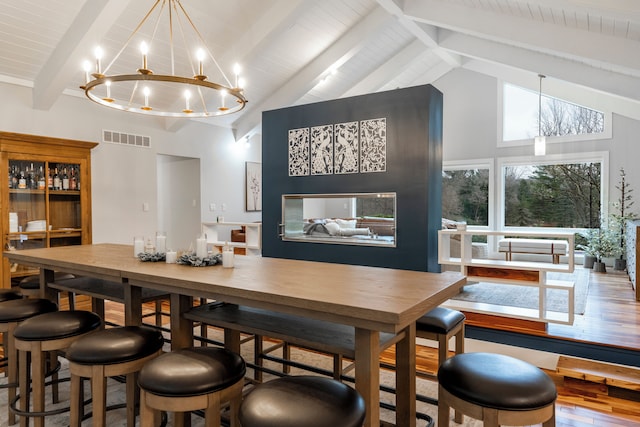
{"points": [[65, 179], [73, 181], [41, 178], [32, 182], [22, 179], [57, 183]]}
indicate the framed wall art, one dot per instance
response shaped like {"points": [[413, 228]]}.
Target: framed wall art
{"points": [[253, 186]]}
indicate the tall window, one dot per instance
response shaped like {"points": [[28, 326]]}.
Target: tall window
{"points": [[465, 195], [559, 195], [558, 117]]}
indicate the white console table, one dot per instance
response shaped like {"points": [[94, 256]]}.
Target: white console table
{"points": [[253, 235], [523, 273]]}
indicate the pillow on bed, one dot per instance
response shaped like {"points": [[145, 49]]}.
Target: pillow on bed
{"points": [[346, 223], [332, 227]]}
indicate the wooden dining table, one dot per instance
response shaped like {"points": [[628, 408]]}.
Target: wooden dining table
{"points": [[371, 299]]}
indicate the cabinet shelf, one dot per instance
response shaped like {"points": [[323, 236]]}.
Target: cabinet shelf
{"points": [[65, 215], [25, 191]]}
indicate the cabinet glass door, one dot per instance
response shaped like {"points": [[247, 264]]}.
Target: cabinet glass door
{"points": [[27, 209]]}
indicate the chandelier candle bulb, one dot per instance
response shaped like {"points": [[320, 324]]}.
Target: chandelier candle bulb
{"points": [[108, 85], [200, 55], [87, 68], [144, 49], [98, 53], [223, 95], [146, 92], [187, 96]]}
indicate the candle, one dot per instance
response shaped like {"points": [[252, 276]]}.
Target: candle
{"points": [[161, 242], [200, 55], [201, 247], [227, 257], [171, 257], [144, 49], [138, 245]]}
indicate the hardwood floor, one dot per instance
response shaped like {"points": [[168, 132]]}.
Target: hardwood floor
{"points": [[611, 318]]}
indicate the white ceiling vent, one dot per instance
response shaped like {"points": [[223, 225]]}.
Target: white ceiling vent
{"points": [[115, 137]]}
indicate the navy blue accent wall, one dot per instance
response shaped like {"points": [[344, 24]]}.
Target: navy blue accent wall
{"points": [[414, 173]]}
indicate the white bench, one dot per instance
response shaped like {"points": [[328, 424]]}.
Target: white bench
{"points": [[555, 248]]}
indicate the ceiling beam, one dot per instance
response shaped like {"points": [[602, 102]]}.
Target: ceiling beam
{"points": [[90, 25], [426, 34], [555, 66], [380, 76], [276, 20], [309, 76], [584, 46]]}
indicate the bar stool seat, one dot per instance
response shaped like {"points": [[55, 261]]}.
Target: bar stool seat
{"points": [[441, 324], [9, 294], [498, 389], [191, 379], [38, 336], [12, 312], [107, 353], [309, 401], [30, 286]]}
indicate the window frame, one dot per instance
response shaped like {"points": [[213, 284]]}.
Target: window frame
{"points": [[478, 164], [574, 95], [554, 159]]}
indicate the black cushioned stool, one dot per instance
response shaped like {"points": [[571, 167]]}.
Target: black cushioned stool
{"points": [[30, 286], [191, 379], [107, 353], [35, 338], [6, 295], [441, 324], [308, 401], [12, 312], [497, 389]]}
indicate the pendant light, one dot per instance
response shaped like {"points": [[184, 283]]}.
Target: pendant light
{"points": [[540, 142]]}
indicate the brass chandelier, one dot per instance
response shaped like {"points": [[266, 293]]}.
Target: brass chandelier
{"points": [[166, 94]]}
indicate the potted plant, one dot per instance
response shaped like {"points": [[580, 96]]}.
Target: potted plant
{"points": [[590, 237], [606, 245], [618, 218]]}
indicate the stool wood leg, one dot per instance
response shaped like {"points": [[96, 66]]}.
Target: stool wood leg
{"points": [[38, 358], [12, 368], [25, 380], [212, 411], [77, 400], [98, 393], [148, 416], [443, 409], [490, 417], [132, 393]]}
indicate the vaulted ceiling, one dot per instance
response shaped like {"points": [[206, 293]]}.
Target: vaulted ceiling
{"points": [[288, 47]]}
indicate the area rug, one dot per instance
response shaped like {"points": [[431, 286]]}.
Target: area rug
{"points": [[117, 418], [527, 296]]}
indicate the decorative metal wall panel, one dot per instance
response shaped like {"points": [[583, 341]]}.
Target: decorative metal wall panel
{"points": [[373, 145], [322, 150], [299, 152], [346, 148]]}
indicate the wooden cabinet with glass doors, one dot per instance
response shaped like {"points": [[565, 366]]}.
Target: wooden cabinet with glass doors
{"points": [[45, 196]]}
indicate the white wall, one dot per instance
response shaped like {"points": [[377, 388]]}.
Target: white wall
{"points": [[470, 129], [123, 178]]}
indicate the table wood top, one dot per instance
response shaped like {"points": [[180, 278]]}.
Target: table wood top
{"points": [[369, 297]]}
